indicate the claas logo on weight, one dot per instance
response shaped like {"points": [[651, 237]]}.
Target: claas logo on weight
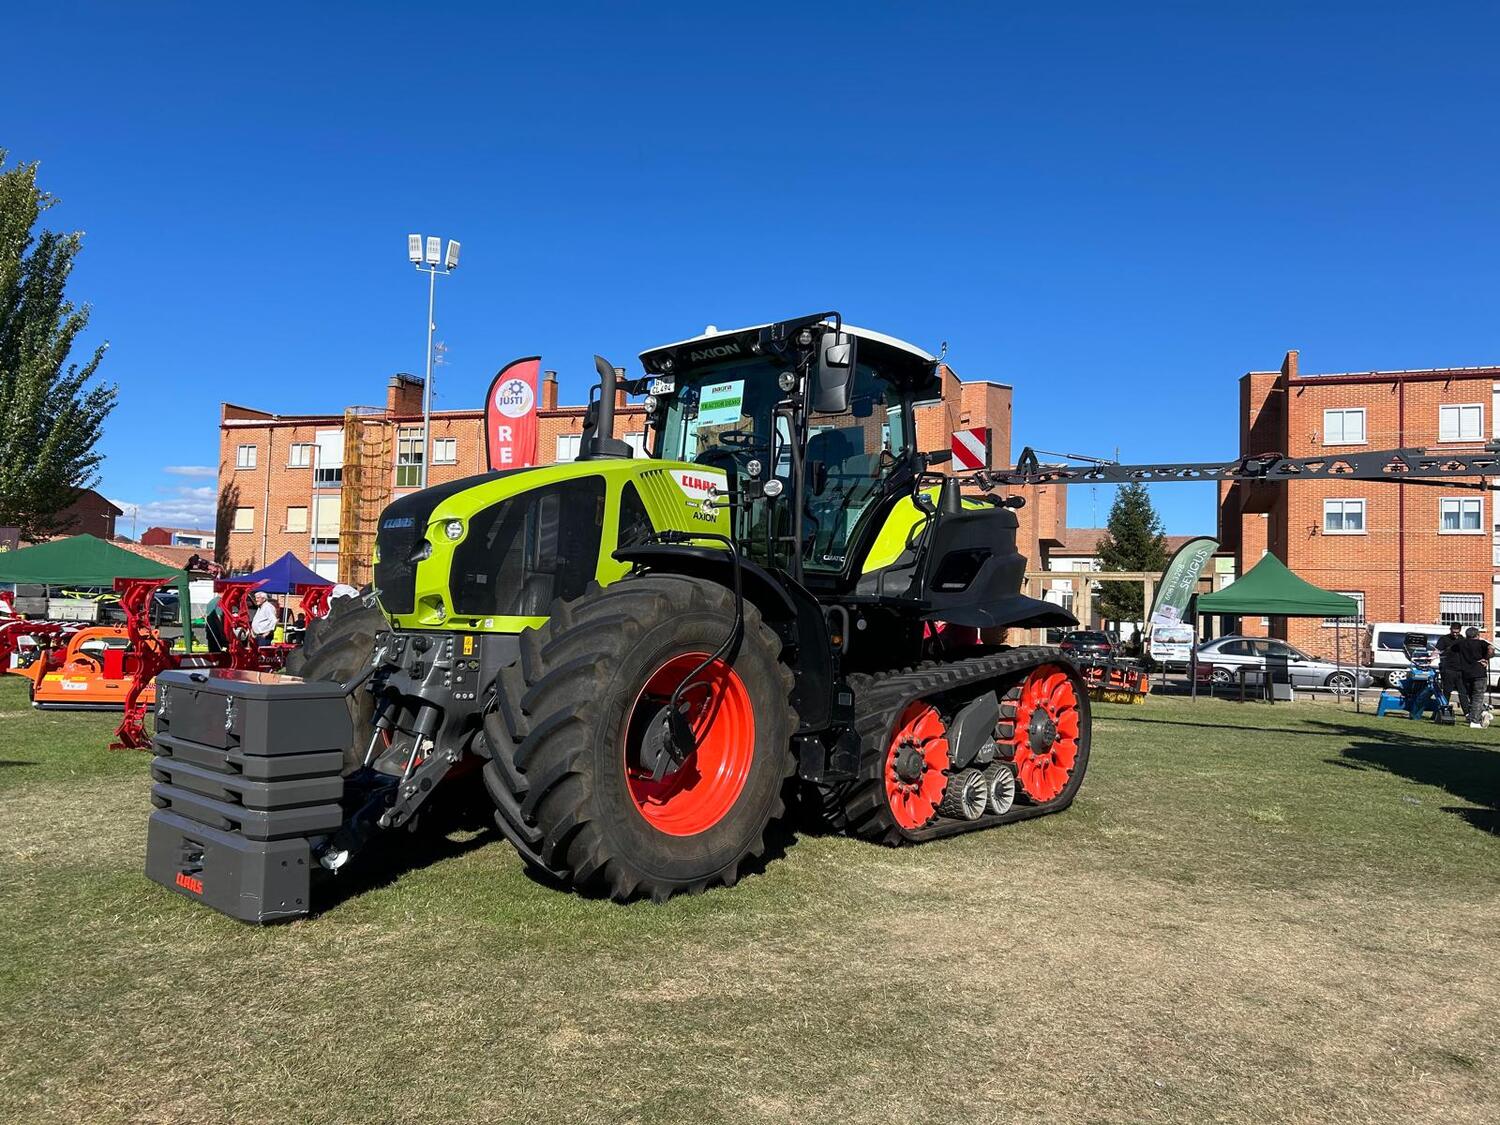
{"points": [[190, 882]]}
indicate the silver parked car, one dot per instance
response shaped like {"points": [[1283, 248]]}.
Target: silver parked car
{"points": [[1229, 654]]}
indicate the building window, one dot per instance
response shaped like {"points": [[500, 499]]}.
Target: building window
{"points": [[1359, 600], [1461, 423], [445, 451], [567, 446], [637, 443], [296, 520], [1344, 427], [299, 455], [244, 519], [1343, 517], [1461, 609], [244, 457], [328, 460], [326, 514], [409, 458], [1461, 516]]}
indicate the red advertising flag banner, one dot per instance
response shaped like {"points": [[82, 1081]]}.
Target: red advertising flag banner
{"points": [[510, 415]]}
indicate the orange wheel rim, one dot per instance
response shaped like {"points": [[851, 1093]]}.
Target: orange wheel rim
{"points": [[699, 793], [914, 765], [1047, 726]]}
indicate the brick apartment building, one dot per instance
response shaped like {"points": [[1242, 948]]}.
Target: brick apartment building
{"points": [[1416, 553], [315, 484]]}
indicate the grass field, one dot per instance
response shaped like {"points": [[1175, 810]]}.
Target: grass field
{"points": [[1253, 913]]}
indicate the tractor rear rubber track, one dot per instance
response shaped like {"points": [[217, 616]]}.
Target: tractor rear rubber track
{"points": [[881, 700]]}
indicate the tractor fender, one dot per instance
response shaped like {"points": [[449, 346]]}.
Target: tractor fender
{"points": [[784, 604]]}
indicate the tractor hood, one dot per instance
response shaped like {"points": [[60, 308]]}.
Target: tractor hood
{"points": [[491, 552]]}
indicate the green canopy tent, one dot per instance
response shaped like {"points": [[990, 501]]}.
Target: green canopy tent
{"points": [[85, 560], [1271, 590]]}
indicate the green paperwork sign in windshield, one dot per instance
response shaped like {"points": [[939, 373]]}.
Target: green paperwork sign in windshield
{"points": [[721, 403]]}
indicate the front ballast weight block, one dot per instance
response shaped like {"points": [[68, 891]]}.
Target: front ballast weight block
{"points": [[247, 779]]}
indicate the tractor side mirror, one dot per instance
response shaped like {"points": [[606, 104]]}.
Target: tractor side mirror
{"points": [[834, 374]]}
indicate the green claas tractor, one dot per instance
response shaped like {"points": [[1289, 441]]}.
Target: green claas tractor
{"points": [[649, 659]]}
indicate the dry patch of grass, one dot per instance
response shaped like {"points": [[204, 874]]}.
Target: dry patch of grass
{"points": [[1252, 914]]}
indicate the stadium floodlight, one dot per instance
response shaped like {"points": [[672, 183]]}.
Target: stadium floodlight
{"points": [[427, 255]]}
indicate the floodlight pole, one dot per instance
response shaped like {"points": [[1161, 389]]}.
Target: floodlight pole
{"points": [[431, 262], [427, 382]]}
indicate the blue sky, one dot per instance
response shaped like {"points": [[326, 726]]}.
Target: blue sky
{"points": [[1119, 210]]}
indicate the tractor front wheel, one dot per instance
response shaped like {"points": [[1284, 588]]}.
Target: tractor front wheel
{"points": [[586, 782], [337, 648]]}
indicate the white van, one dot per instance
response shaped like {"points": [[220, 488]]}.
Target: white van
{"points": [[1384, 652]]}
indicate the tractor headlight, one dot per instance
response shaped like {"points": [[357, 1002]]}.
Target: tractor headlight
{"points": [[786, 380], [753, 467], [772, 488], [454, 529], [651, 404]]}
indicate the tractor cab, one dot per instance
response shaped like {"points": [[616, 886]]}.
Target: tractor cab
{"points": [[812, 422], [813, 444]]}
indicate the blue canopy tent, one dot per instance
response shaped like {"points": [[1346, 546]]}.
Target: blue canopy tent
{"points": [[284, 576]]}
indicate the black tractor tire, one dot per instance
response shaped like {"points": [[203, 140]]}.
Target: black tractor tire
{"points": [[567, 722], [337, 648]]}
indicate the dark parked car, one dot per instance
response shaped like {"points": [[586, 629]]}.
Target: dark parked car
{"points": [[1086, 642]]}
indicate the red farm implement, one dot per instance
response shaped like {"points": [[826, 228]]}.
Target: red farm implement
{"points": [[149, 653]]}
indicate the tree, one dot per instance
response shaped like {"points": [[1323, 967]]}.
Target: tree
{"points": [[229, 500], [1133, 541], [50, 417]]}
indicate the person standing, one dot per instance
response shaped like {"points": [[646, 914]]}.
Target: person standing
{"points": [[1474, 666], [263, 624], [1449, 676]]}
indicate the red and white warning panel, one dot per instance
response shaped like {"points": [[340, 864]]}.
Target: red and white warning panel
{"points": [[971, 448]]}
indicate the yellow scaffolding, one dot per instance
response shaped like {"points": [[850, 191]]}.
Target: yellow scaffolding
{"points": [[366, 490]]}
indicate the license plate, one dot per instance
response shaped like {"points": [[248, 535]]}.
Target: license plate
{"points": [[660, 387]]}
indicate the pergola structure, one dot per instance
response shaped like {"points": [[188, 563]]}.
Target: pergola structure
{"points": [[1082, 584]]}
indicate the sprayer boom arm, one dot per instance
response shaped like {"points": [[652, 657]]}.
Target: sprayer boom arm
{"points": [[1402, 466]]}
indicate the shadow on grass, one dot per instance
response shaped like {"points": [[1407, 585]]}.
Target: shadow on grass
{"points": [[781, 835], [449, 828], [1248, 729], [5, 762], [1464, 770]]}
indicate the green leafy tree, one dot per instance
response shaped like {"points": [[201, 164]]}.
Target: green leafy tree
{"points": [[50, 415], [1133, 541]]}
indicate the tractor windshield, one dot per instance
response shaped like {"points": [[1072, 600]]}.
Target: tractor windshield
{"points": [[725, 416]]}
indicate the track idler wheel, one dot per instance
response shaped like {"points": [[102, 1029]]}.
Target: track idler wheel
{"points": [[965, 797], [914, 765], [999, 788], [1045, 731]]}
